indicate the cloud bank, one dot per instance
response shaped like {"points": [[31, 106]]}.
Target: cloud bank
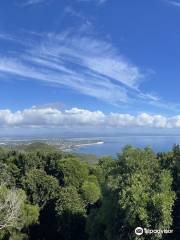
{"points": [[54, 118]]}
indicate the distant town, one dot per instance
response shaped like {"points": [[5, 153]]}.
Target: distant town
{"points": [[61, 144]]}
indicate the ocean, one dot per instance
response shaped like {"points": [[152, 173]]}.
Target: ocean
{"points": [[114, 145]]}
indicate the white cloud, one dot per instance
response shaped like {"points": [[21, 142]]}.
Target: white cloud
{"points": [[75, 117]]}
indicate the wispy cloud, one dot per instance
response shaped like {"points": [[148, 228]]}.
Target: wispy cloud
{"points": [[75, 117], [174, 3], [69, 10], [81, 62], [102, 1], [86, 64], [32, 2], [96, 1], [86, 21]]}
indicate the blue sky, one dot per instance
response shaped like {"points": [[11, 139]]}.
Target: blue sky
{"points": [[90, 63]]}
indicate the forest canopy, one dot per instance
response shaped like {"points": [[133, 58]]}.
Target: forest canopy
{"points": [[48, 194]]}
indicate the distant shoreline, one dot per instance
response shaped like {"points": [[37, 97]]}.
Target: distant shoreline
{"points": [[88, 144], [73, 147]]}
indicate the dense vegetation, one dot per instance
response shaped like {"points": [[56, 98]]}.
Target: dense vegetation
{"points": [[47, 194]]}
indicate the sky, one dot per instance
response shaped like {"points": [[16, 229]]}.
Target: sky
{"points": [[89, 65]]}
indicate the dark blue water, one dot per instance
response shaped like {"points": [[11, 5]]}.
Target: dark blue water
{"points": [[114, 145]]}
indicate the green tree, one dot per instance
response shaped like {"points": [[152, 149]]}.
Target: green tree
{"points": [[137, 193], [171, 161], [71, 215], [40, 187], [71, 172], [15, 213], [91, 192]]}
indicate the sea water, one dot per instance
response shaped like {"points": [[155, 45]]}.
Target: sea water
{"points": [[114, 145]]}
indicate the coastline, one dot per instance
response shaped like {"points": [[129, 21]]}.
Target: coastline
{"points": [[73, 147], [88, 144]]}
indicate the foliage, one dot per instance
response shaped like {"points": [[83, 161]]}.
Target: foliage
{"points": [[70, 172], [91, 192], [137, 193], [70, 212], [15, 213], [11, 207], [47, 194], [40, 187]]}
